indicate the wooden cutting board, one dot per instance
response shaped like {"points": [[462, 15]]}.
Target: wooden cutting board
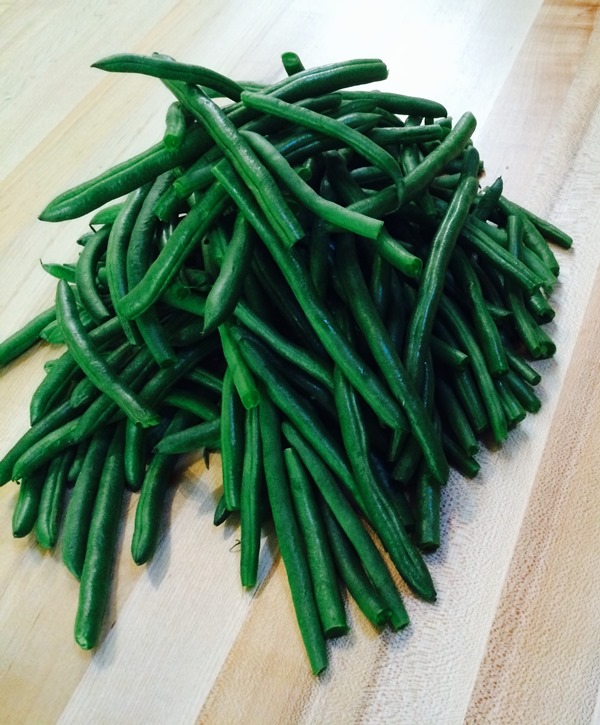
{"points": [[513, 637]]}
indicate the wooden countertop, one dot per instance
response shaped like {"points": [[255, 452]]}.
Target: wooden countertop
{"points": [[514, 637]]}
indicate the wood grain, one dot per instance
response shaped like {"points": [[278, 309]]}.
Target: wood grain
{"points": [[517, 573]]}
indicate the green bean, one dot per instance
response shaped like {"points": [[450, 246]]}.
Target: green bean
{"points": [[500, 258], [175, 127], [45, 425], [43, 451], [380, 283], [28, 503], [222, 513], [534, 338], [150, 504], [447, 355], [407, 459], [134, 457], [182, 298], [94, 366], [158, 386], [107, 215], [250, 498], [399, 104], [169, 69], [445, 181], [317, 394], [20, 341], [138, 259], [536, 242], [523, 392], [483, 324], [545, 228], [452, 411], [513, 409], [199, 175], [351, 525], [101, 547], [206, 379], [431, 285], [318, 243], [103, 409], [243, 379], [488, 200], [171, 205], [466, 465], [195, 403], [78, 458], [292, 63], [428, 494], [60, 271], [124, 178], [52, 501], [232, 437], [313, 534], [522, 368], [52, 334], [407, 134], [286, 310], [470, 398], [298, 146], [227, 288], [85, 276], [192, 439], [540, 308], [538, 267], [85, 391], [396, 494], [328, 79], [116, 256], [79, 512]]}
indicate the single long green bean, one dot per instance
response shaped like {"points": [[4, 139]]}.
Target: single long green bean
{"points": [[85, 276], [250, 497], [94, 366], [19, 342], [100, 554], [227, 288]]}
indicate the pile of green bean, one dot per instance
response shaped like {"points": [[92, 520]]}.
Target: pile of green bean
{"points": [[309, 280]]}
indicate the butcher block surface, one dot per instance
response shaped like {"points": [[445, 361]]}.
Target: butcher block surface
{"points": [[514, 636]]}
